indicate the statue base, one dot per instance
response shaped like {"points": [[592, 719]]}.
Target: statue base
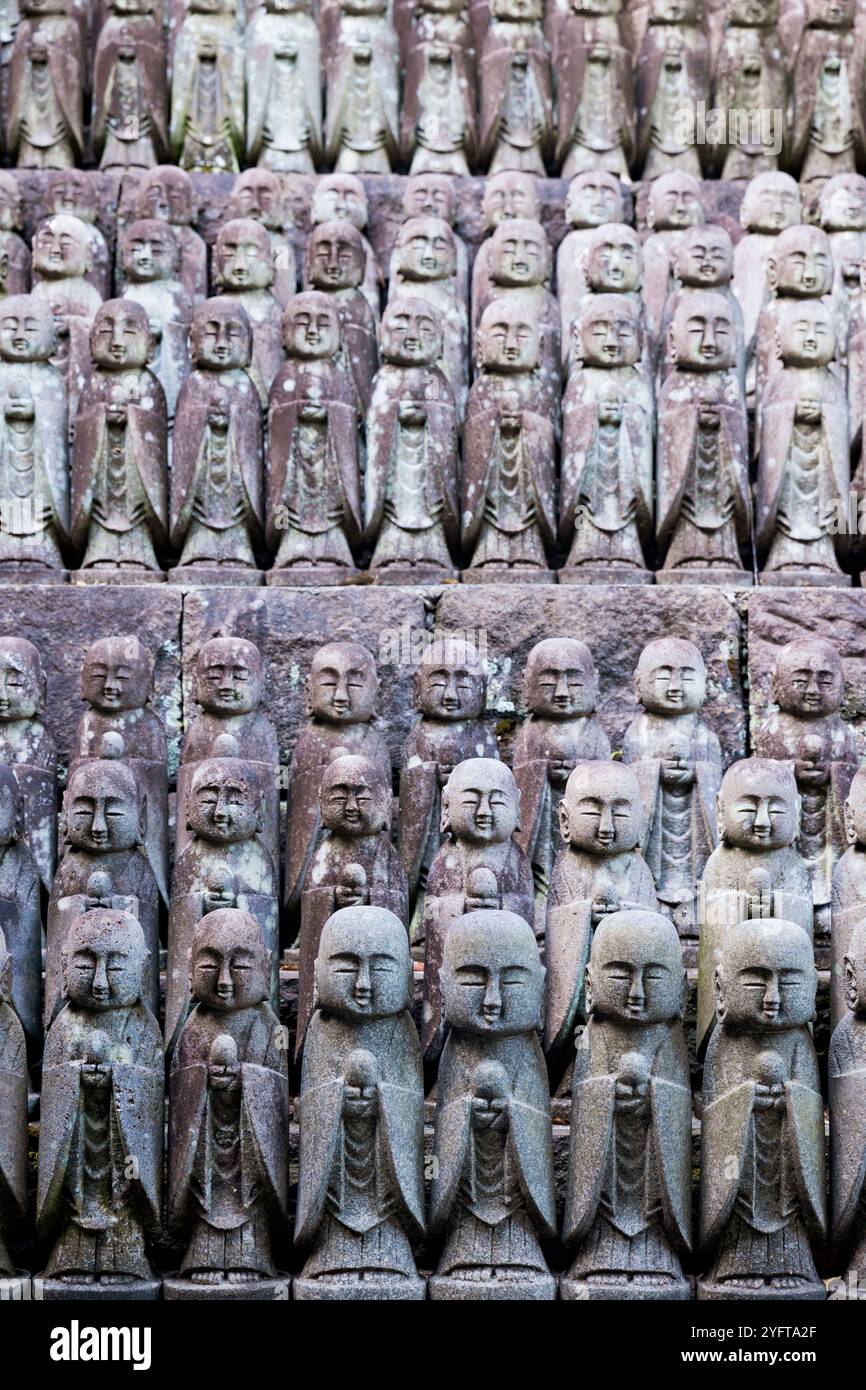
{"points": [[445, 1288], [603, 574], [315, 576], [727, 1293], [194, 575], [16, 1288], [581, 1290], [805, 579], [129, 576], [719, 579], [496, 574], [407, 575], [59, 1291], [179, 1290], [396, 1289], [13, 573]]}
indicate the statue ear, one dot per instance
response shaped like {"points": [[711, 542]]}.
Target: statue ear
{"points": [[308, 703], [671, 343], [260, 815], [719, 995], [62, 822], [684, 995], [142, 820], [588, 991], [518, 826], [850, 983], [151, 346], [798, 813], [445, 813], [772, 273], [848, 818], [564, 827], [720, 818]]}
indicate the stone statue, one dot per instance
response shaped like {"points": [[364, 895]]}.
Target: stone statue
{"points": [[703, 504], [62, 265], [599, 870], [354, 864], [20, 922], [150, 258], [207, 90], [771, 204], [223, 809], [117, 684], [450, 691], [75, 193], [217, 472], [13, 1125], [704, 260], [515, 89], [673, 205], [846, 1064], [762, 1102], [283, 82], [800, 267], [560, 693], [34, 451], [14, 251], [102, 1106], [343, 198], [848, 896], [520, 264], [829, 98], [412, 514], [258, 195], [46, 87], [361, 1108], [628, 1205], [803, 461], [120, 453], [168, 193], [103, 828], [438, 125], [595, 90], [751, 75], [342, 690], [756, 871], [228, 1118], [509, 485], [335, 265], [605, 506], [243, 271], [594, 199], [677, 760], [314, 425], [492, 1191], [28, 747], [842, 212], [672, 88], [433, 195], [130, 88], [506, 195], [423, 266], [362, 86], [479, 867], [614, 265]]}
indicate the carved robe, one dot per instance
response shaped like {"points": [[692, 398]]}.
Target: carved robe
{"points": [[846, 1064], [361, 129], [13, 1126], [207, 98], [829, 105], [30, 750], [751, 78], [672, 80], [130, 129], [516, 98], [45, 95], [34, 466], [21, 924], [596, 100], [284, 101], [438, 125]]}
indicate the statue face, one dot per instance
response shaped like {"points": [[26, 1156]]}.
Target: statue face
{"points": [[601, 812], [150, 252], [342, 686], [765, 983], [20, 680], [520, 254], [594, 199], [116, 674], [758, 805], [167, 193], [102, 808], [806, 335], [228, 677], [222, 805], [635, 974], [425, 249], [561, 681], [26, 330], [843, 203], [243, 257], [481, 802], [103, 962], [613, 262], [220, 341], [61, 248], [703, 332], [509, 337], [808, 680], [608, 332], [256, 194], [410, 334], [802, 263], [449, 682], [311, 327], [10, 204], [70, 192], [120, 337], [429, 195], [771, 204], [492, 980], [675, 202], [340, 198], [706, 257], [336, 257], [228, 962], [671, 677], [363, 968], [352, 799], [509, 195]]}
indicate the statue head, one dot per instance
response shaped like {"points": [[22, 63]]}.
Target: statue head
{"points": [[121, 337], [800, 264], [808, 680], [671, 677], [228, 961], [73, 191], [593, 199], [855, 970], [614, 264], [806, 334], [339, 198], [410, 334], [257, 194], [430, 195], [61, 248], [702, 335], [449, 683], [425, 249], [168, 193], [242, 257], [602, 812], [103, 807], [705, 257], [606, 332], [27, 329], [23, 688], [102, 961], [354, 798], [509, 336], [519, 254], [758, 805], [311, 326], [765, 982], [842, 204], [509, 194], [117, 674], [228, 676], [224, 803], [343, 684], [635, 974], [492, 979], [481, 802], [150, 251], [771, 203], [363, 969], [220, 336], [855, 811], [12, 828], [10, 203], [560, 680], [335, 259], [674, 203]]}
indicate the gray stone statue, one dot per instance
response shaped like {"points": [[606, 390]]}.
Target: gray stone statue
{"points": [[28, 747], [847, 1068], [13, 1128], [20, 913], [848, 900]]}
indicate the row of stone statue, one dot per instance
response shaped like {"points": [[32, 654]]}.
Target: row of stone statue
{"points": [[627, 1217], [617, 85]]}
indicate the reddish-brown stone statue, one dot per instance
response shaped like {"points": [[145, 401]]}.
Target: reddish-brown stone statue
{"points": [[258, 194], [335, 266], [207, 90], [168, 193], [751, 80], [28, 747], [595, 90], [243, 271], [130, 96], [434, 195], [771, 203], [672, 86], [424, 266], [14, 251], [594, 199], [75, 193], [515, 89], [46, 87], [614, 265], [799, 267], [62, 264], [343, 198], [829, 98], [674, 204], [438, 124], [704, 260], [362, 86], [506, 195], [520, 264], [283, 83], [149, 255]]}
